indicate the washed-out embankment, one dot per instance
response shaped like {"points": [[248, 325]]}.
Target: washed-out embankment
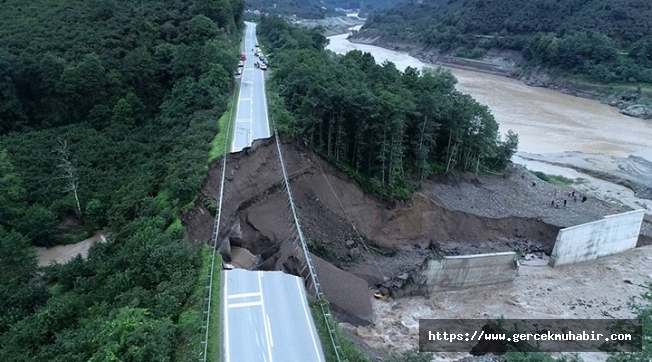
{"points": [[362, 241]]}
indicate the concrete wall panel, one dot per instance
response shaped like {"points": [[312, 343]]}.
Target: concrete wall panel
{"points": [[611, 235], [457, 272]]}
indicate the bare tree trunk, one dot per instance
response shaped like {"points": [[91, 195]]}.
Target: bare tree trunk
{"points": [[384, 154], [70, 175], [421, 158], [477, 164]]}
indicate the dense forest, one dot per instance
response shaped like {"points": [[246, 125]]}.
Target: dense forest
{"points": [[302, 9], [107, 111], [605, 40], [317, 9], [389, 129]]}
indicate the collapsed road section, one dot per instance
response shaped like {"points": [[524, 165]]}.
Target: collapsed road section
{"points": [[368, 239]]}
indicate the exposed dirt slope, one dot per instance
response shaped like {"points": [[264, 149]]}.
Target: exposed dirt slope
{"points": [[466, 215]]}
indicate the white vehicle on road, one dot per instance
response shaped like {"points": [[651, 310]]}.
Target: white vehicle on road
{"points": [[241, 64]]}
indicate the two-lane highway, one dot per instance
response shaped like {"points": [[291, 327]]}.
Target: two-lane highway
{"points": [[266, 318], [251, 121], [265, 315]]}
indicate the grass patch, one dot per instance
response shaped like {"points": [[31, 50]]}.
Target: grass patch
{"points": [[163, 198], [191, 319], [584, 83], [223, 138], [552, 179], [350, 351], [215, 332], [175, 230]]}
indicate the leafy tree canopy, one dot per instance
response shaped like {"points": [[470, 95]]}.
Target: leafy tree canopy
{"points": [[389, 129], [107, 110], [605, 40]]}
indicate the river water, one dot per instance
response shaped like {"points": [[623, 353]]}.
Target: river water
{"points": [[547, 122]]}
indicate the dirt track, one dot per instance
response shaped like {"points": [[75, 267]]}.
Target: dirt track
{"points": [[466, 215]]}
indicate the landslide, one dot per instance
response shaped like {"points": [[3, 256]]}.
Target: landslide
{"points": [[340, 219]]}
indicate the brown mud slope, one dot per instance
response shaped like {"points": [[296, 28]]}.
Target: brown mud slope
{"points": [[464, 216]]}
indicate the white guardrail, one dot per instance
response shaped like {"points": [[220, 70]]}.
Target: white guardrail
{"points": [[328, 318], [216, 230]]}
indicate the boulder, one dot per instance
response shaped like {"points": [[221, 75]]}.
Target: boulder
{"points": [[354, 253], [349, 296], [638, 110], [371, 275]]}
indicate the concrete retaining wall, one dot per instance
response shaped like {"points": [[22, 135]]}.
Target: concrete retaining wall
{"points": [[611, 235], [455, 272]]}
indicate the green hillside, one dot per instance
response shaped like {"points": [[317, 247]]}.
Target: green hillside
{"points": [[606, 40], [318, 9], [107, 111]]}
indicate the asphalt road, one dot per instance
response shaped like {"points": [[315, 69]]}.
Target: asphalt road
{"points": [[252, 121], [266, 318]]}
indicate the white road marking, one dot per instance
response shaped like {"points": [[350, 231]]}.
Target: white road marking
{"points": [[305, 311], [265, 107], [269, 328], [245, 99], [269, 345], [244, 295], [251, 109], [227, 347], [237, 112], [244, 305]]}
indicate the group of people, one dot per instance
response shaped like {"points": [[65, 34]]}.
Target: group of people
{"points": [[571, 194]]}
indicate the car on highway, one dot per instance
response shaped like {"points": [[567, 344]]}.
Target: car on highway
{"points": [[238, 72], [263, 66], [241, 64], [243, 56]]}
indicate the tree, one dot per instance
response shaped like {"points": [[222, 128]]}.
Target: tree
{"points": [[17, 259], [133, 336], [12, 192], [123, 113], [39, 225], [201, 29], [70, 174]]}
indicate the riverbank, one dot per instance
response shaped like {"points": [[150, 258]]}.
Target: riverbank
{"points": [[333, 25], [509, 64]]}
